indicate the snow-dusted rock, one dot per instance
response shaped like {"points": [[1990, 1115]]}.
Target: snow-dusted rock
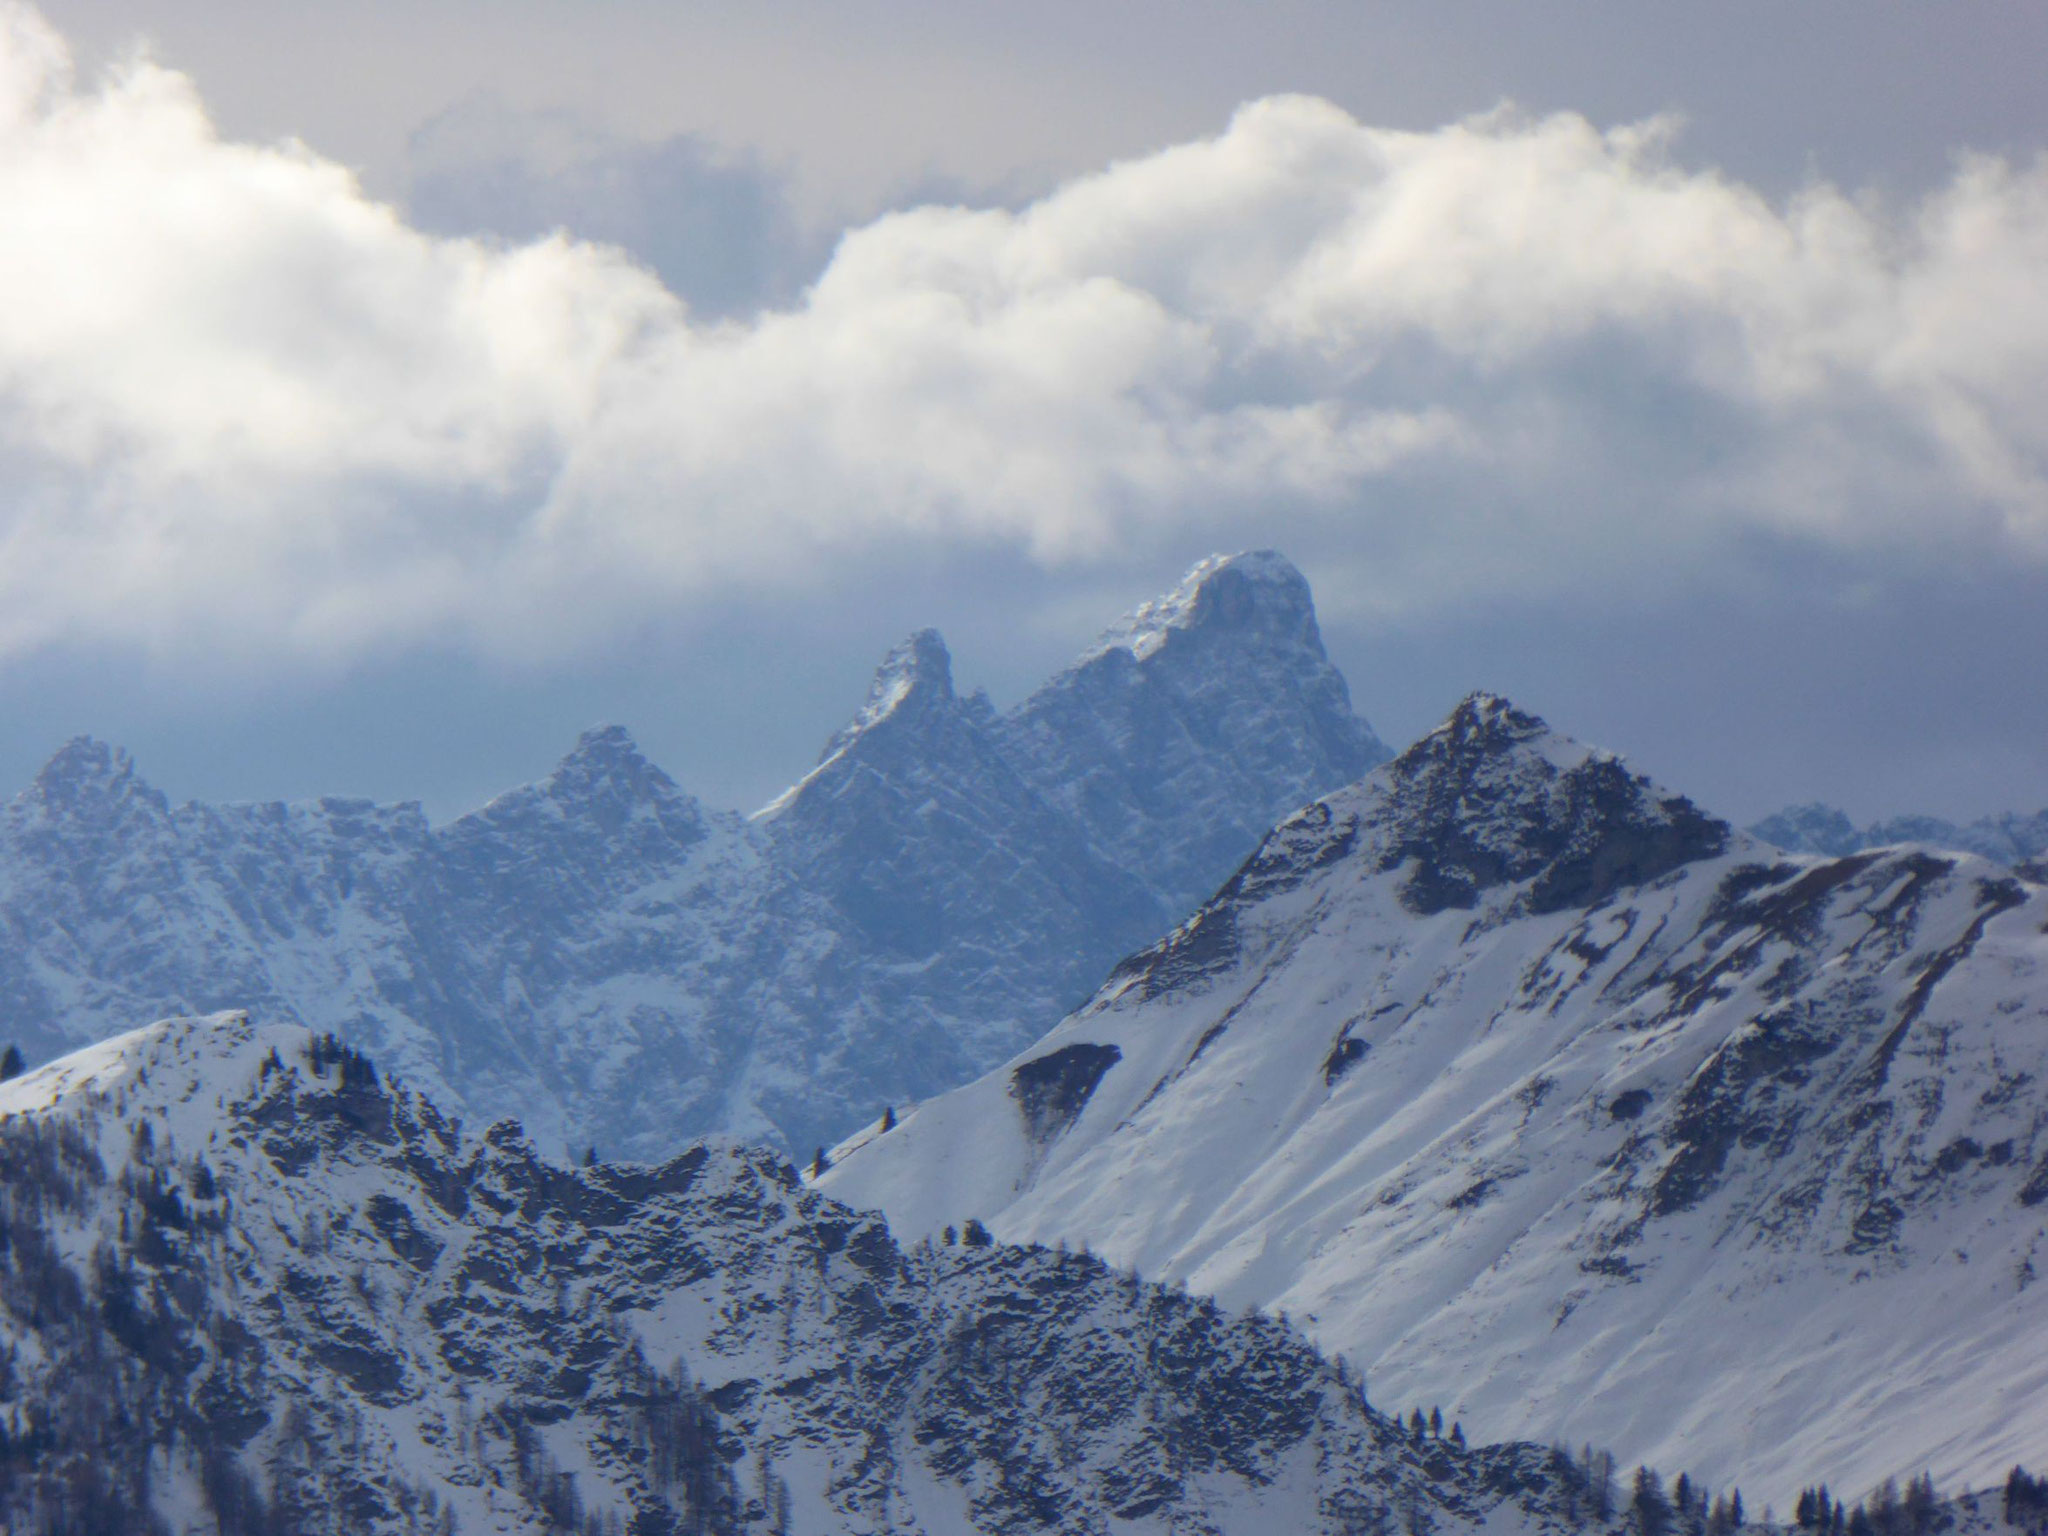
{"points": [[603, 957], [248, 1284], [1187, 714], [1523, 1081]]}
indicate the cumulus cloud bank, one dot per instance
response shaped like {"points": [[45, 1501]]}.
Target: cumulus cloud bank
{"points": [[243, 406]]}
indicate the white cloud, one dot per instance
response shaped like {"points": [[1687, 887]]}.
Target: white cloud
{"points": [[243, 407]]}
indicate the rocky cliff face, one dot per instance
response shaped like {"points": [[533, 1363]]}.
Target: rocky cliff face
{"points": [[252, 1285], [1187, 714], [1516, 1077], [612, 962]]}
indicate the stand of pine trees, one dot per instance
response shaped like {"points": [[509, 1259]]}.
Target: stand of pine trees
{"points": [[1887, 1512]]}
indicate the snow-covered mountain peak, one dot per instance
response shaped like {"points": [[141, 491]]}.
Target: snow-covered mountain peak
{"points": [[911, 714], [1494, 796], [915, 677], [1255, 593], [604, 748], [603, 787], [87, 778], [607, 768], [1163, 738], [917, 671], [1505, 1066]]}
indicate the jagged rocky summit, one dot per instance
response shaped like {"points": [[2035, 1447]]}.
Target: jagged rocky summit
{"points": [[1819, 828], [1521, 1080], [613, 963], [248, 1284]]}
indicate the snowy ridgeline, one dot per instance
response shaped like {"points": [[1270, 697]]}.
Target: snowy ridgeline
{"points": [[249, 1285], [1541, 1094], [603, 957]]}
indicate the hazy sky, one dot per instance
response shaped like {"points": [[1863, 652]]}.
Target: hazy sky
{"points": [[1679, 372]]}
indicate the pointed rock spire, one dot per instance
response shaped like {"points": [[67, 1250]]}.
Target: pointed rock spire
{"points": [[915, 678]]}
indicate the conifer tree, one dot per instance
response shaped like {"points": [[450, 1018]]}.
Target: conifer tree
{"points": [[1918, 1507], [1599, 1469], [1649, 1506], [11, 1063]]}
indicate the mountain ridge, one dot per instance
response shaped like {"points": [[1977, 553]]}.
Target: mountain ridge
{"points": [[616, 963], [255, 1285], [1508, 1070]]}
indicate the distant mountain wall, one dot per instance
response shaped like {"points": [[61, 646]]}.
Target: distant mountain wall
{"points": [[1820, 828], [615, 964]]}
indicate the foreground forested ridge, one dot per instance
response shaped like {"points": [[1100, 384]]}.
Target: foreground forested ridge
{"points": [[252, 1285]]}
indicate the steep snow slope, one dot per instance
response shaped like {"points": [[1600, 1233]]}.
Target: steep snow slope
{"points": [[1526, 1083], [604, 957], [252, 1286]]}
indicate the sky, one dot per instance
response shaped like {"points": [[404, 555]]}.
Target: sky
{"points": [[389, 392]]}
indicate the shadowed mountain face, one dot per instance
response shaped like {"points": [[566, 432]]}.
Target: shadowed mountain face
{"points": [[1517, 1077], [313, 1304], [607, 959]]}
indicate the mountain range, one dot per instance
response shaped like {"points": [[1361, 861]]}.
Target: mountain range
{"points": [[615, 964], [1532, 1088], [1821, 828], [1514, 1081]]}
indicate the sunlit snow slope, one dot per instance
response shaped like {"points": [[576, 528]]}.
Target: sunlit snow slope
{"points": [[1538, 1091]]}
